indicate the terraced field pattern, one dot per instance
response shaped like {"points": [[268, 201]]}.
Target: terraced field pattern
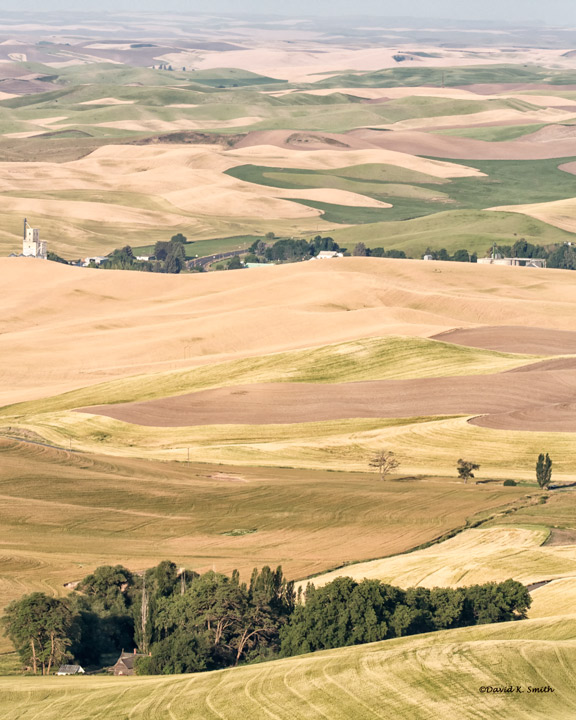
{"points": [[227, 420]]}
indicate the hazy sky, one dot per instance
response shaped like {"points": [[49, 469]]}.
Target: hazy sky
{"points": [[549, 11]]}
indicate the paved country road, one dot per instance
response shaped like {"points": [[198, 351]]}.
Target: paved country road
{"points": [[209, 259]]}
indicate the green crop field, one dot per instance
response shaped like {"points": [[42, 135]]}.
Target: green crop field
{"points": [[475, 230], [451, 77], [392, 358], [492, 134], [102, 104]]}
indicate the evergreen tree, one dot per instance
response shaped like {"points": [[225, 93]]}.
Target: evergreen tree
{"points": [[544, 470]]}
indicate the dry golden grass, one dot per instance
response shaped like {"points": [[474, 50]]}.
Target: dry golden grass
{"points": [[556, 598], [413, 678], [65, 328], [62, 514], [165, 186], [474, 556], [560, 213]]}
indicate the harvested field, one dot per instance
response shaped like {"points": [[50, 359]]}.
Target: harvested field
{"points": [[459, 148], [522, 401], [474, 556], [145, 323], [554, 599], [392, 680], [514, 339], [560, 213], [424, 444], [61, 515]]}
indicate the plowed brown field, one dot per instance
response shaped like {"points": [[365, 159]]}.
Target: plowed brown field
{"points": [[538, 400]]}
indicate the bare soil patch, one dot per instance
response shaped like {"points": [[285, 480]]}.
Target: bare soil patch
{"points": [[558, 417], [514, 339], [534, 401], [304, 140], [499, 88], [415, 142], [560, 536]]}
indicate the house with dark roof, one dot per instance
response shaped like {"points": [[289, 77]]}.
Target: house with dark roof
{"points": [[125, 663]]}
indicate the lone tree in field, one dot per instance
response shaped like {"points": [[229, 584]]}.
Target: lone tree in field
{"points": [[544, 470], [385, 462], [466, 470]]}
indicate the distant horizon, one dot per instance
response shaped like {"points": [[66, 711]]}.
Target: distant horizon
{"points": [[491, 12]]}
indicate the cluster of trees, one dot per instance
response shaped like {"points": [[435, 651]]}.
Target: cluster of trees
{"points": [[289, 249], [346, 612], [360, 250], [459, 256], [559, 256], [466, 471], [169, 257], [186, 622]]}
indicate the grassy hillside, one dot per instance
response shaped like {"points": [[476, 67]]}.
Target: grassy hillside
{"points": [[492, 134], [492, 554], [450, 77], [414, 678], [475, 230], [64, 513], [393, 358]]}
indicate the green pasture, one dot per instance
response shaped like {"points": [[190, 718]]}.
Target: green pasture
{"points": [[475, 230], [450, 76], [496, 133]]}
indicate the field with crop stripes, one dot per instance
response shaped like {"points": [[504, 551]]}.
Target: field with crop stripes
{"points": [[413, 678]]}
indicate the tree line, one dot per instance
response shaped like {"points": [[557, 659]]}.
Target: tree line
{"points": [[169, 257], [560, 256], [289, 249], [385, 463], [182, 621]]}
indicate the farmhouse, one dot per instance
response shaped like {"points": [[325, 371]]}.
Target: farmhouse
{"points": [[515, 262], [70, 670], [497, 259], [96, 259], [327, 255], [125, 663]]}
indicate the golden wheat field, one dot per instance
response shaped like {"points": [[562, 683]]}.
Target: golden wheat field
{"points": [[413, 678], [63, 514], [231, 420]]}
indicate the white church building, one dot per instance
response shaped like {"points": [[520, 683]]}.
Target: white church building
{"points": [[32, 246]]}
